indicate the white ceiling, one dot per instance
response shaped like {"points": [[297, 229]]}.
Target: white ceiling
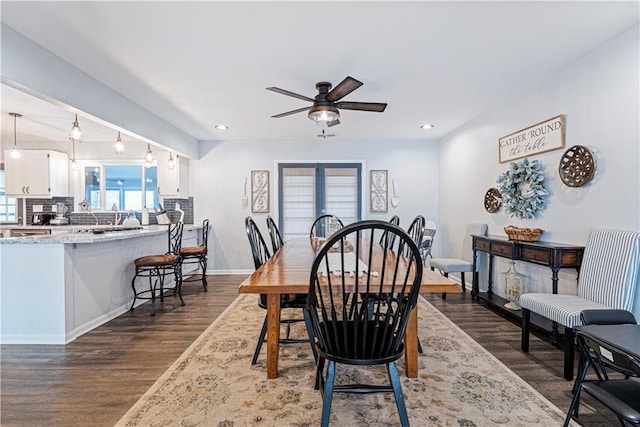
{"points": [[196, 64]]}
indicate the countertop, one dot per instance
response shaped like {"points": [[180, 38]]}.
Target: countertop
{"points": [[83, 234]]}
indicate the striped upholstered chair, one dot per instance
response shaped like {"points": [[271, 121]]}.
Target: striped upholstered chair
{"points": [[608, 279]]}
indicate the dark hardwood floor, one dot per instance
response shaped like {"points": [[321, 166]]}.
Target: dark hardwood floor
{"points": [[95, 379]]}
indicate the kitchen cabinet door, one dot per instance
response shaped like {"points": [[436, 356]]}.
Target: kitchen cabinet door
{"points": [[173, 182], [38, 173]]}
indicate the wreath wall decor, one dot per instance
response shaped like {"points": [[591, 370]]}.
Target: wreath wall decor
{"points": [[522, 189]]}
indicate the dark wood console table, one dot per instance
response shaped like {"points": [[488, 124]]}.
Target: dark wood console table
{"points": [[552, 255]]}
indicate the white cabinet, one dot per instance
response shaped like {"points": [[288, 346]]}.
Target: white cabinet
{"points": [[38, 173], [173, 182]]}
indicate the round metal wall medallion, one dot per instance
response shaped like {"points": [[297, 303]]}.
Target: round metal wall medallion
{"points": [[492, 200], [577, 166]]}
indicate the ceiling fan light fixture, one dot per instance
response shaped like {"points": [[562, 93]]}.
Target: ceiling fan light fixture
{"points": [[118, 147], [426, 126], [15, 153], [75, 134], [323, 114]]}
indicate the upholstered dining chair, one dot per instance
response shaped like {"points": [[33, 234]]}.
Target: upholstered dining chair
{"points": [[464, 264], [320, 227], [260, 253], [353, 321], [157, 267], [274, 234], [198, 254], [608, 279]]}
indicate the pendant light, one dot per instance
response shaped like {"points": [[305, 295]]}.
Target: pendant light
{"points": [[148, 158], [15, 154], [74, 164], [118, 147], [75, 134], [171, 164]]}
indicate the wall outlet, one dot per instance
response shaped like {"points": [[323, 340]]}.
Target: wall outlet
{"points": [[37, 209], [54, 208]]}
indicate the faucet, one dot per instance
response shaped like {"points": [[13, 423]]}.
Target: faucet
{"points": [[117, 217], [95, 217]]}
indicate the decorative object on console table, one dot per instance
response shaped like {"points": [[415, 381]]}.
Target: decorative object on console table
{"points": [[379, 191], [522, 189], [513, 284], [577, 166], [523, 234], [492, 200], [260, 191]]}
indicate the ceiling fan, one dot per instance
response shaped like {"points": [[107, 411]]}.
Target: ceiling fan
{"points": [[326, 103]]}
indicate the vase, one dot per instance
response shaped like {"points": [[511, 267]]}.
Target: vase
{"points": [[512, 284]]}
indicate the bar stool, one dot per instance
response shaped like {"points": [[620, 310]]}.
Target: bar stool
{"points": [[158, 267], [198, 254]]}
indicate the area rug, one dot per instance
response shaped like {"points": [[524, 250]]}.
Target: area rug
{"points": [[214, 384]]}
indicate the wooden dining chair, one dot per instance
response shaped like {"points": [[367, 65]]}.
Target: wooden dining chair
{"points": [[274, 234], [320, 227], [353, 321], [260, 253]]}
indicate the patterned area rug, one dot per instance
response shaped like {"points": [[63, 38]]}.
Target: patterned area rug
{"points": [[214, 384]]}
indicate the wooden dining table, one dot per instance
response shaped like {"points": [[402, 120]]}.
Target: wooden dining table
{"points": [[288, 271]]}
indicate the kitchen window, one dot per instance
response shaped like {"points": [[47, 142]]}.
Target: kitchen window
{"points": [[8, 205], [125, 187]]}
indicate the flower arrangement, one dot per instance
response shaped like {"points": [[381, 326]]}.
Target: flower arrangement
{"points": [[522, 190]]}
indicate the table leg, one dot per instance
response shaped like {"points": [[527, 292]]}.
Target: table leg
{"points": [[273, 334], [411, 344]]}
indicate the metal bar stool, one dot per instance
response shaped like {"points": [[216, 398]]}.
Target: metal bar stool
{"points": [[198, 254], [157, 267]]}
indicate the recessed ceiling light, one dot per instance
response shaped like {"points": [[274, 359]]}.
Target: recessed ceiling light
{"points": [[426, 126], [221, 127]]}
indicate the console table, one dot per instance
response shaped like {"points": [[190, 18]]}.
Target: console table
{"points": [[552, 255]]}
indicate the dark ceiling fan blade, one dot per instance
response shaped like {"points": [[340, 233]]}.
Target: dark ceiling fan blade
{"points": [[286, 92], [363, 106], [288, 113], [333, 123], [344, 88]]}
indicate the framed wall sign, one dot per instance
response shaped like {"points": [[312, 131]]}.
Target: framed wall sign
{"points": [[260, 191], [539, 138], [379, 191]]}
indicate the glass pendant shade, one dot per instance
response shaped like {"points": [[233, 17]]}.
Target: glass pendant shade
{"points": [[171, 163], [75, 134], [15, 153], [118, 147], [148, 158], [323, 114]]}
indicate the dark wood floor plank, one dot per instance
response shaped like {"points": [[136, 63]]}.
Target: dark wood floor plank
{"points": [[98, 377]]}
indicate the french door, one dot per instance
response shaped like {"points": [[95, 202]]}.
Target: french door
{"points": [[308, 190]]}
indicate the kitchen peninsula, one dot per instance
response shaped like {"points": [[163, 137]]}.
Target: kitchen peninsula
{"points": [[56, 287]]}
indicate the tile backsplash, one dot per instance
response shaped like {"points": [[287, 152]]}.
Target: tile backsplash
{"points": [[107, 218]]}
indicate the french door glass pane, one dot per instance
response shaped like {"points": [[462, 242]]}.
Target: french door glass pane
{"points": [[298, 201], [341, 193]]}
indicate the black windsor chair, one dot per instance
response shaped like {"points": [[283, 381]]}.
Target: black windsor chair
{"points": [[274, 233], [157, 268], [320, 227], [388, 240], [260, 253], [353, 322]]}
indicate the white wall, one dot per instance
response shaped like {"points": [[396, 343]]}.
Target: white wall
{"points": [[218, 176], [599, 97]]}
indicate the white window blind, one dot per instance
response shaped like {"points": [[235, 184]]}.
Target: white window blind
{"points": [[298, 201], [341, 193]]}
